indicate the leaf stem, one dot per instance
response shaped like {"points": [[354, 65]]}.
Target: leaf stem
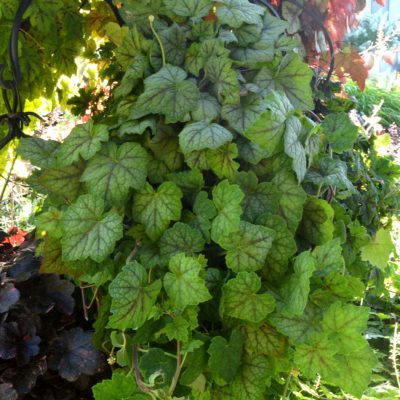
{"points": [[8, 179], [136, 372], [286, 388], [179, 364], [151, 20]]}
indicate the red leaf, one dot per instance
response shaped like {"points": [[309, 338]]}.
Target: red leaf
{"points": [[351, 63], [380, 2], [16, 238]]}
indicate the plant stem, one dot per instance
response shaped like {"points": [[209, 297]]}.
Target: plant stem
{"points": [[151, 20], [136, 372], [179, 364], [8, 179], [286, 388]]}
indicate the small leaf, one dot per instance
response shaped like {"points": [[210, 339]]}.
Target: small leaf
{"points": [[155, 209], [83, 141], [329, 257], [132, 297], [247, 248], [225, 357], [169, 93], [296, 289], [340, 132], [378, 250], [202, 135], [9, 295], [227, 199], [240, 298], [194, 8], [317, 224], [89, 233], [7, 392], [221, 160], [183, 284], [41, 153]]}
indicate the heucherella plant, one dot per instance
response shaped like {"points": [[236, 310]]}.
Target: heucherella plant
{"points": [[228, 233]]}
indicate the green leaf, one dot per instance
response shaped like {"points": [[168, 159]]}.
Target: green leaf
{"points": [[294, 148], [317, 357], [120, 386], [330, 172], [133, 297], [227, 199], [249, 383], [50, 222], [190, 181], [240, 298], [317, 224], [158, 366], [41, 153], [225, 357], [355, 372], [283, 247], [83, 141], [221, 160], [340, 132], [296, 289], [298, 328], [241, 116], [181, 238], [292, 199], [155, 209], [378, 250], [247, 248], [259, 197], [194, 8], [183, 284], [203, 135], [61, 183], [169, 93], [345, 325], [268, 129], [293, 77], [236, 12], [136, 127], [220, 72], [329, 257], [177, 329], [208, 108], [116, 169], [88, 231]]}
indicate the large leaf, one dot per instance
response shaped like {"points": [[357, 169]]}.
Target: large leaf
{"points": [[340, 132], [88, 231], [378, 250], [227, 199], [329, 257], [116, 169], [183, 284], [225, 357], [240, 298], [222, 160], [202, 135], [293, 77], [169, 93], [155, 209], [133, 297], [236, 12], [296, 289], [247, 248], [83, 141]]}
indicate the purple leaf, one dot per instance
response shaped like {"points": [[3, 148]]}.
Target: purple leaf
{"points": [[18, 340], [9, 295], [73, 354], [7, 392]]}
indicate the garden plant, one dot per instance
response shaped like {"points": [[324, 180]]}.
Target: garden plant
{"points": [[227, 220]]}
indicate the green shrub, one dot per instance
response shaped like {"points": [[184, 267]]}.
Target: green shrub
{"points": [[230, 237]]}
